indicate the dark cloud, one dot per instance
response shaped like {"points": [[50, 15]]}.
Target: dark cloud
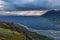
{"points": [[30, 4]]}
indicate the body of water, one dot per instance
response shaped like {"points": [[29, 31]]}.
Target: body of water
{"points": [[37, 24], [34, 22]]}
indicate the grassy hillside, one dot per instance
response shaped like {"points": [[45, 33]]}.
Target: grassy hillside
{"points": [[12, 31], [6, 34]]}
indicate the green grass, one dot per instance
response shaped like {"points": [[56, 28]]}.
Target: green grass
{"points": [[6, 34], [11, 31]]}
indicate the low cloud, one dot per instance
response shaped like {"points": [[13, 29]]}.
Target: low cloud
{"points": [[23, 13]]}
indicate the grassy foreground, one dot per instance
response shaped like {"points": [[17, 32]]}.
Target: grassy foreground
{"points": [[11, 31]]}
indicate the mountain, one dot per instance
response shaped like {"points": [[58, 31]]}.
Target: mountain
{"points": [[53, 15], [12, 31]]}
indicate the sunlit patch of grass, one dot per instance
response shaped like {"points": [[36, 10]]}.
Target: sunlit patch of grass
{"points": [[6, 34]]}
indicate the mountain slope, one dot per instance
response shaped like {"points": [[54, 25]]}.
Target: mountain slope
{"points": [[6, 34], [14, 31], [53, 16]]}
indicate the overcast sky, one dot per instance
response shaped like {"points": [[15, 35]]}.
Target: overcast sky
{"points": [[20, 4]]}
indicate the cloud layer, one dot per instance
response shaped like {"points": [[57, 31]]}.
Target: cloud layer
{"points": [[54, 4], [22, 13], [28, 4]]}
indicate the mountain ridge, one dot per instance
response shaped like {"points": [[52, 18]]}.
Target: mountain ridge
{"points": [[53, 15]]}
